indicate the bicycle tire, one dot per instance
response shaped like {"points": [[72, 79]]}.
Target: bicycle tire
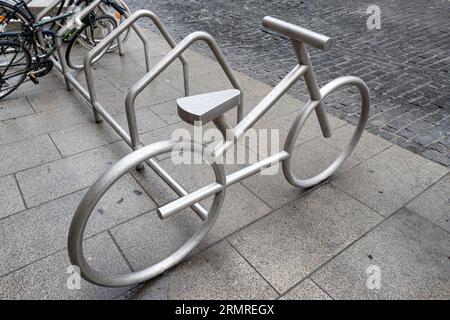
{"points": [[69, 58], [125, 34], [27, 57], [7, 6]]}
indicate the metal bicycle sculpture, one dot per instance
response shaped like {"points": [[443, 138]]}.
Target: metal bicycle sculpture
{"points": [[206, 108]]}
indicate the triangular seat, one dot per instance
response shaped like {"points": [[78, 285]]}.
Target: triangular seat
{"points": [[207, 107]]}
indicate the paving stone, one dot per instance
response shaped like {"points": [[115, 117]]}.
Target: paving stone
{"points": [[219, 273], [368, 145], [83, 137], [390, 179], [412, 256], [44, 101], [41, 231], [288, 245], [31, 125], [58, 178], [48, 83], [11, 200], [434, 203], [167, 111], [13, 108], [444, 222], [162, 237], [146, 120], [47, 278], [306, 290], [311, 128], [27, 153], [310, 158]]}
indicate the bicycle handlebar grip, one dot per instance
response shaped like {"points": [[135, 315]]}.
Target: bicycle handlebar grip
{"points": [[298, 33]]}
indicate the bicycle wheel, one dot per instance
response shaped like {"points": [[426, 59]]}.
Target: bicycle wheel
{"points": [[119, 12], [92, 32], [119, 17], [176, 252], [12, 19], [15, 62], [335, 163]]}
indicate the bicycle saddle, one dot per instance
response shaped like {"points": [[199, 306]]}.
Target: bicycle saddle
{"points": [[207, 107]]}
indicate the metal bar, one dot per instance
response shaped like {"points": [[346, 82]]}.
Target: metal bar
{"points": [[175, 186], [157, 69], [298, 33], [262, 107], [175, 206], [313, 87], [131, 116]]}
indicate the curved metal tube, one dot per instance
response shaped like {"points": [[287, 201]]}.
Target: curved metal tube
{"points": [[303, 116], [95, 193], [129, 22], [137, 88]]}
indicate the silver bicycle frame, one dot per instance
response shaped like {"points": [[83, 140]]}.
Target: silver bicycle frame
{"points": [[299, 37]]}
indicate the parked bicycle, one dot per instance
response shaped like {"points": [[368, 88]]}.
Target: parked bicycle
{"points": [[23, 57]]}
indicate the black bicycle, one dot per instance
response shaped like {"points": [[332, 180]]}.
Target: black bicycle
{"points": [[23, 57]]}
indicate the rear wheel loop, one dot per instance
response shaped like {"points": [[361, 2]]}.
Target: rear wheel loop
{"points": [[96, 192]]}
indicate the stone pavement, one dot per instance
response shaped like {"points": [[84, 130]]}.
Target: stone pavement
{"points": [[387, 208], [406, 63]]}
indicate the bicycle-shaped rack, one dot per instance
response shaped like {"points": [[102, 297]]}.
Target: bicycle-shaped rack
{"points": [[204, 108]]}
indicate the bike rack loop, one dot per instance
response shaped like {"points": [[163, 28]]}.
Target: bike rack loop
{"points": [[137, 88]]}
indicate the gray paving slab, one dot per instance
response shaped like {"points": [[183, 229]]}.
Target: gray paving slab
{"points": [[162, 237], [368, 146], [33, 125], [240, 208], [390, 179], [146, 120], [444, 221], [47, 279], [27, 153], [41, 231], [11, 200], [58, 178], [306, 290], [310, 158], [434, 203], [411, 254], [288, 245], [83, 137], [48, 83], [13, 108], [167, 111], [311, 128], [44, 101], [218, 273]]}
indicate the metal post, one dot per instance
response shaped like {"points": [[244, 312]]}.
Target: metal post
{"points": [[313, 86]]}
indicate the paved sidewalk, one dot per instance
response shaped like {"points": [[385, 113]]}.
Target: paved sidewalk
{"points": [[406, 63], [387, 207]]}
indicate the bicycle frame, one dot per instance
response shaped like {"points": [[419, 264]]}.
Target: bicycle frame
{"points": [[146, 154]]}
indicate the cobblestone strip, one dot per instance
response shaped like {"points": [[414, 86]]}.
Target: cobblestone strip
{"points": [[406, 63]]}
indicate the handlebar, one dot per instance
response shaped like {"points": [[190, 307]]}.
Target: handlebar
{"points": [[298, 33]]}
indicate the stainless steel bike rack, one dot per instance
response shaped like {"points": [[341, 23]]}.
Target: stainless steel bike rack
{"points": [[300, 37], [89, 93]]}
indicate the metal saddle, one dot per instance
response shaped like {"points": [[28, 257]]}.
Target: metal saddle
{"points": [[207, 107]]}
